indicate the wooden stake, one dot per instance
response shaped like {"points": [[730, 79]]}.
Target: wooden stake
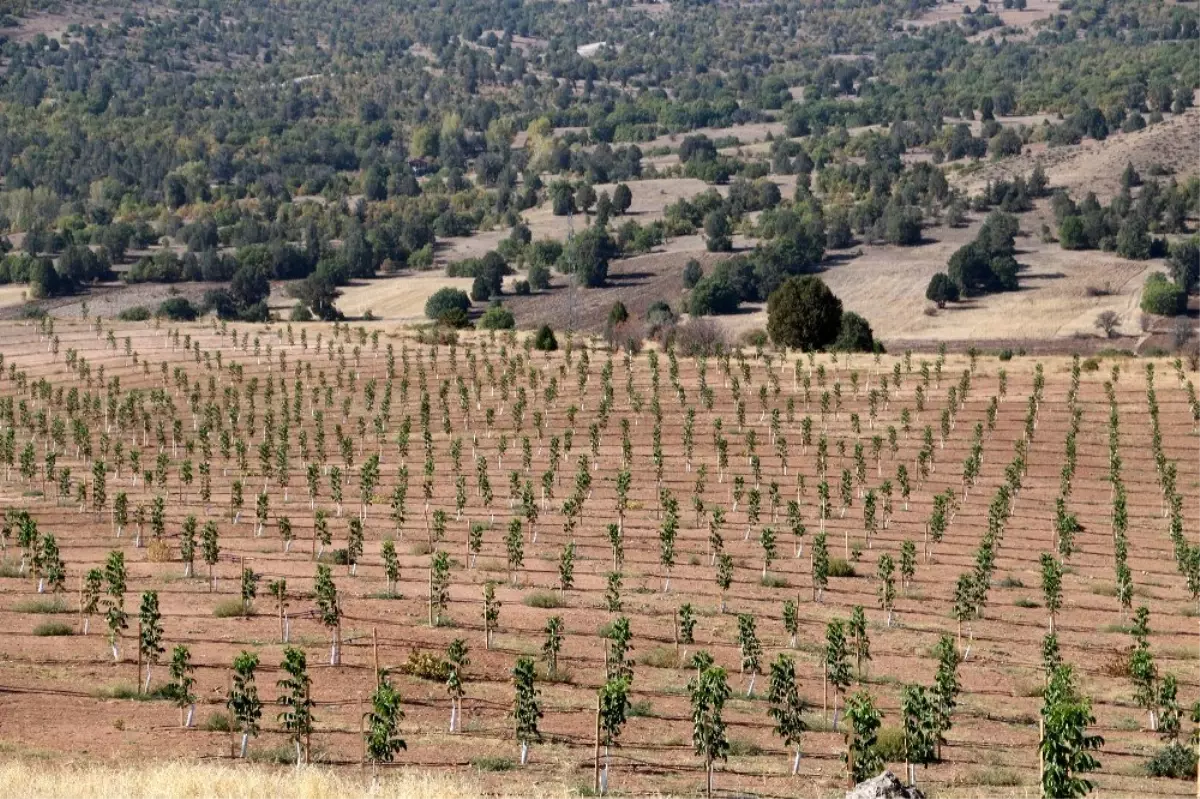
{"points": [[232, 726], [138, 680], [1041, 759], [596, 773], [362, 732], [825, 691], [375, 653]]}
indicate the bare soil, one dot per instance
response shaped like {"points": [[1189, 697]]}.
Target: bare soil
{"points": [[52, 700]]}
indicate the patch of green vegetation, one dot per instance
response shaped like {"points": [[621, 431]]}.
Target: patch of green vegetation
{"points": [[217, 722], [890, 744], [130, 692], [53, 628], [661, 657], [1025, 602], [773, 581], [740, 747], [839, 567], [230, 608], [493, 764], [41, 605], [642, 708], [1011, 581], [546, 600]]}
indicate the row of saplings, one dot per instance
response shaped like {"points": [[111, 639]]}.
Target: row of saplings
{"points": [[1066, 749]]}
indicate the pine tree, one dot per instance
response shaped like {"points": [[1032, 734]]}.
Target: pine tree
{"points": [[243, 701]]}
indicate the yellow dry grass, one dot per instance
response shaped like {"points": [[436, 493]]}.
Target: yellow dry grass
{"points": [[31, 779], [13, 294]]}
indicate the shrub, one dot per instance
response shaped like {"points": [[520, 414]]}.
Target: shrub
{"points": [[803, 314], [455, 319], [941, 290], [445, 300], [229, 608], [692, 272], [493, 764], [699, 337], [713, 295], [1162, 297], [177, 309], [53, 628], [544, 600], [217, 722], [545, 341], [426, 666], [855, 334], [138, 313], [37, 605], [1174, 760], [521, 288], [889, 744], [838, 567], [497, 317]]}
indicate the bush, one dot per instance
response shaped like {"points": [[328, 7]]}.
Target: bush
{"points": [[544, 600], [699, 337], [454, 318], [177, 309], [713, 295], [838, 567], [692, 272], [53, 628], [426, 666], [444, 300], [855, 335], [138, 313], [493, 764], [545, 340], [497, 317], [1162, 297], [803, 314], [229, 609], [941, 290], [1174, 760], [521, 288], [300, 313]]}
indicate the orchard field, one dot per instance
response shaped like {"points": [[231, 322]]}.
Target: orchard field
{"points": [[756, 500]]}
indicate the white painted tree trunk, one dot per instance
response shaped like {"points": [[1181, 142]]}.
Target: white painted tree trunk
{"points": [[796, 762], [245, 743], [524, 753], [190, 715]]}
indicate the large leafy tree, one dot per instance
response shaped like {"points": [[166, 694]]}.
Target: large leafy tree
{"points": [[803, 314]]}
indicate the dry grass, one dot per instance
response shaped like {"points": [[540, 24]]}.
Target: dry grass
{"points": [[179, 779]]}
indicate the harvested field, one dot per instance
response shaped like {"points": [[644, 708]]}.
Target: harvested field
{"points": [[183, 392]]}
